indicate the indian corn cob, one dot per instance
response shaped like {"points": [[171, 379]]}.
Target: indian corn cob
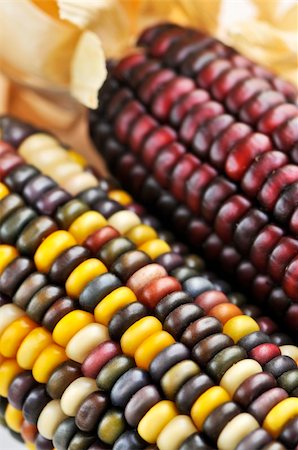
{"points": [[209, 140]]}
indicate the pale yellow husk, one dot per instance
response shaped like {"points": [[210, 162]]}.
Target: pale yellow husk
{"points": [[53, 52]]}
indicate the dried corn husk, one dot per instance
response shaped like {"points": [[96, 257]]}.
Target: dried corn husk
{"points": [[53, 52]]}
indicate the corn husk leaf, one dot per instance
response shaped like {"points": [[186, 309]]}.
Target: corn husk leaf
{"points": [[87, 69]]}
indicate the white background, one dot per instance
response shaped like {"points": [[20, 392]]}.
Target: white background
{"points": [[7, 442]]}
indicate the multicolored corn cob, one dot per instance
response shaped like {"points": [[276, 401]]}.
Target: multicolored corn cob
{"points": [[208, 140], [90, 279]]}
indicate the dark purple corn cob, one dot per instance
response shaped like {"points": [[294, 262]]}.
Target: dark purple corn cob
{"points": [[208, 139]]}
